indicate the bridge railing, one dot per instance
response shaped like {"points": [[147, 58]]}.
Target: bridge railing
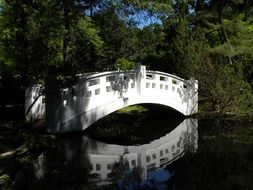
{"points": [[166, 83], [110, 81], [101, 87], [170, 86]]}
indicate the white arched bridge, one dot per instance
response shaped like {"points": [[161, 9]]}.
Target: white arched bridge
{"points": [[99, 94]]}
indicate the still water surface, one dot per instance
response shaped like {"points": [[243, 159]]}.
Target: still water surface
{"points": [[127, 167], [204, 154]]}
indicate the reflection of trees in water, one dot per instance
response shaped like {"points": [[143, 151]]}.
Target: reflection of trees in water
{"points": [[127, 176], [63, 168], [189, 137], [122, 172], [67, 165], [224, 160], [129, 171]]}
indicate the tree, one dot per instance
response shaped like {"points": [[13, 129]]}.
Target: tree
{"points": [[213, 45], [39, 36]]}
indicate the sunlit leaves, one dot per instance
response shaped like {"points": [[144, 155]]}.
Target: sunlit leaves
{"points": [[239, 37], [91, 32], [40, 34], [124, 64]]}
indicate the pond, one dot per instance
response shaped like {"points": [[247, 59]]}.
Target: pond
{"points": [[183, 154]]}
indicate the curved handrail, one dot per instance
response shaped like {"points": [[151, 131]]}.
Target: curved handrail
{"points": [[89, 76], [107, 73], [166, 74]]}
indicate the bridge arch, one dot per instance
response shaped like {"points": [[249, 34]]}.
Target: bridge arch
{"points": [[98, 94]]}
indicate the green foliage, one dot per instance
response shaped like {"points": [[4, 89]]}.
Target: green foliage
{"points": [[124, 64], [216, 50], [91, 33], [42, 38], [239, 37], [114, 34]]}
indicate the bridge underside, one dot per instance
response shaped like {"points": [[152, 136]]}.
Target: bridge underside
{"points": [[81, 121]]}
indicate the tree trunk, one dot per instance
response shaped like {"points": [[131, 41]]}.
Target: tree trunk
{"points": [[52, 96]]}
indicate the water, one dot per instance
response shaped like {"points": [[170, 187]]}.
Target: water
{"points": [[204, 154], [224, 159], [111, 164]]}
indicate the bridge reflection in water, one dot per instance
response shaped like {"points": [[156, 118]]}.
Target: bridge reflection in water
{"points": [[106, 163]]}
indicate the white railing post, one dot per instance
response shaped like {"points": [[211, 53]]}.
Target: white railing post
{"points": [[140, 78]]}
